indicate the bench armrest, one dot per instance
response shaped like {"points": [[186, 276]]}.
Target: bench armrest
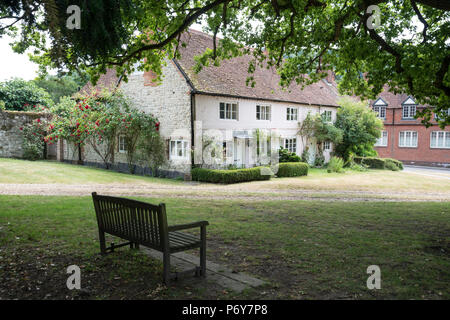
{"points": [[188, 225]]}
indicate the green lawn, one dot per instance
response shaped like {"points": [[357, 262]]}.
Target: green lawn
{"points": [[48, 172], [374, 183], [305, 249]]}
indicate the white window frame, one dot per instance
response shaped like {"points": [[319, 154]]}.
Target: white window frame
{"points": [[265, 112], [409, 114], [291, 114], [290, 144], [405, 134], [380, 110], [327, 145], [436, 117], [228, 111], [440, 135], [383, 140], [174, 149], [327, 116], [122, 144]]}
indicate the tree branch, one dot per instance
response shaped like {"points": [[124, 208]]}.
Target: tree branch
{"points": [[422, 19]]}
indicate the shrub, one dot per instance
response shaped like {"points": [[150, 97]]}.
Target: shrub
{"points": [[286, 156], [33, 139], [371, 162], [336, 164], [358, 167], [305, 155], [380, 163], [228, 176], [292, 169], [391, 166], [320, 160], [394, 162]]}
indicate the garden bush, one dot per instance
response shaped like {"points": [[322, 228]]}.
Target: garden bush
{"points": [[371, 162], [379, 163], [336, 164], [292, 169], [228, 176], [286, 156], [394, 162], [33, 139]]}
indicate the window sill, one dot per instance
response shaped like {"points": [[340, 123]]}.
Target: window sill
{"points": [[408, 147]]}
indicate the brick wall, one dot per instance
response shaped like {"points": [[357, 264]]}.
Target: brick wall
{"points": [[420, 155]]}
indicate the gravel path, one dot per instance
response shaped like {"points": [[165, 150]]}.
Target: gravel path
{"points": [[213, 192]]}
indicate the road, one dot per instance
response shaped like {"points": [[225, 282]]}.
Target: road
{"points": [[443, 173]]}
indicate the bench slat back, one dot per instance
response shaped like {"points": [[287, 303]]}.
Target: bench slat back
{"points": [[137, 221]]}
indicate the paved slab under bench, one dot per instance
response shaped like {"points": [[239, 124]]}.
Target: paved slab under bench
{"points": [[221, 275]]}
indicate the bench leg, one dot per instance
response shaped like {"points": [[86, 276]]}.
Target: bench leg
{"points": [[166, 268], [134, 245], [203, 252], [101, 236]]}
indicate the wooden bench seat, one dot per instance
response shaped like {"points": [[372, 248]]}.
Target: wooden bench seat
{"points": [[145, 224]]}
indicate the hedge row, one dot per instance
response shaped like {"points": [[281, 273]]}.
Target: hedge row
{"points": [[228, 176], [292, 169], [394, 162], [379, 163]]}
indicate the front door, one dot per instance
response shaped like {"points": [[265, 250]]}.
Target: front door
{"points": [[239, 151]]}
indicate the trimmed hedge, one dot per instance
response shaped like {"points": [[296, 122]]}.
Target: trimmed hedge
{"points": [[292, 169], [379, 163], [228, 176], [395, 162]]}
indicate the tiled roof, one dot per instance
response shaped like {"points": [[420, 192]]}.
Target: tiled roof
{"points": [[108, 80], [230, 77], [394, 101]]}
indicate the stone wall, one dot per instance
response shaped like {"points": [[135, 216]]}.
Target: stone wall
{"points": [[169, 102], [10, 133]]}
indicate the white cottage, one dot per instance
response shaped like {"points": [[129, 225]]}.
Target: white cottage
{"points": [[217, 104]]}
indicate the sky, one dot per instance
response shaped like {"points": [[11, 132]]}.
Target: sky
{"points": [[13, 64]]}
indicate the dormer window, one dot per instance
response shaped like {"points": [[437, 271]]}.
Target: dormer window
{"points": [[379, 107], [409, 109]]}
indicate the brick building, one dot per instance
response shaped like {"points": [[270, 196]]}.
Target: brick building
{"points": [[407, 139]]}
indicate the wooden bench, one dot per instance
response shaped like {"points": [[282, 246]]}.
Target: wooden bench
{"points": [[145, 224]]}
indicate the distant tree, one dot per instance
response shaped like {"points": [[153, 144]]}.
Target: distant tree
{"points": [[360, 126], [301, 38], [21, 95], [59, 87]]}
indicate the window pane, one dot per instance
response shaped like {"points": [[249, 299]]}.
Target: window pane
{"points": [[172, 148], [184, 148], [447, 139], [440, 139], [433, 139], [405, 112], [414, 139], [402, 139]]}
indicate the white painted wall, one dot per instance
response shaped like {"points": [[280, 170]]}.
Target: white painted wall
{"points": [[207, 111]]}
